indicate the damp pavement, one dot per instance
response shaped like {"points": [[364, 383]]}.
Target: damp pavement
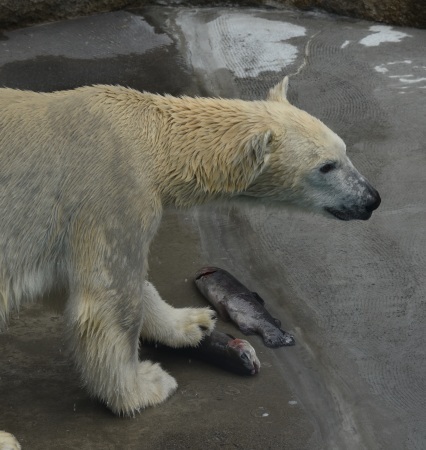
{"points": [[353, 294]]}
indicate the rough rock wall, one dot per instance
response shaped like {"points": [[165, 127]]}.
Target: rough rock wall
{"points": [[14, 13], [397, 12]]}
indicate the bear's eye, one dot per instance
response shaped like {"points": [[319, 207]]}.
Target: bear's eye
{"points": [[327, 167]]}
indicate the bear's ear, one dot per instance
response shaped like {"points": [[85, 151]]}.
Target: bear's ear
{"points": [[260, 145], [279, 92], [250, 162], [239, 163]]}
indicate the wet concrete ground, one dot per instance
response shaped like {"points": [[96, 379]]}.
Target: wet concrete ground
{"points": [[352, 293]]}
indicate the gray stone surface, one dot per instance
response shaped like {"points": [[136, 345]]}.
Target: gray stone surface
{"points": [[352, 293]]}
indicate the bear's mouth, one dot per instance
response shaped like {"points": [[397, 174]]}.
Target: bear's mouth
{"points": [[349, 214]]}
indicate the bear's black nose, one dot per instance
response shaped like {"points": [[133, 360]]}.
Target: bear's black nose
{"points": [[375, 200]]}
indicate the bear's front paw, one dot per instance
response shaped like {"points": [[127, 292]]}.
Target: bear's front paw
{"points": [[192, 326], [8, 441], [155, 383], [151, 386]]}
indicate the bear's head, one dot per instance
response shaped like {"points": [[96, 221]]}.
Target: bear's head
{"points": [[305, 164]]}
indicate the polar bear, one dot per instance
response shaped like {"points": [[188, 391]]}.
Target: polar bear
{"points": [[8, 441], [85, 175]]}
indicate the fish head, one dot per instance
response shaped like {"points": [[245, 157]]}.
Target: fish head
{"points": [[245, 354]]}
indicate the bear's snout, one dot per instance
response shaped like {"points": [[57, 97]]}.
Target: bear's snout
{"points": [[356, 198], [359, 206], [366, 199], [375, 201]]}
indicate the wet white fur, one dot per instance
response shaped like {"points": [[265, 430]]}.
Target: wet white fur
{"points": [[85, 176], [8, 442]]}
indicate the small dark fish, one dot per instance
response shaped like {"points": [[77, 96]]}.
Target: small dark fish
{"points": [[228, 352], [233, 301]]}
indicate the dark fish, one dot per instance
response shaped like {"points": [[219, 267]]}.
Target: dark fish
{"points": [[233, 301], [228, 352]]}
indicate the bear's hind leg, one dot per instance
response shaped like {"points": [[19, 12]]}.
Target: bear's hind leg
{"points": [[175, 327]]}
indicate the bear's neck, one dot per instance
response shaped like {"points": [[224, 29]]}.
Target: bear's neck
{"points": [[200, 150]]}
